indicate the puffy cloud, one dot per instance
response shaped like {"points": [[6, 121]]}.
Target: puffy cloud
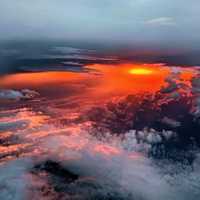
{"points": [[144, 140], [196, 95], [115, 165], [13, 180]]}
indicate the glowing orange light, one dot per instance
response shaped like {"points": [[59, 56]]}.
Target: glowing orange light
{"points": [[140, 71]]}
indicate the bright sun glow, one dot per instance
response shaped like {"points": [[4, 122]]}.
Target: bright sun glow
{"points": [[140, 71]]}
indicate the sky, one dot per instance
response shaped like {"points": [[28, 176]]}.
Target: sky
{"points": [[161, 22]]}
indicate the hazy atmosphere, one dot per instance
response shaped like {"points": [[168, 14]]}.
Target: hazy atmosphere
{"points": [[159, 22], [99, 100]]}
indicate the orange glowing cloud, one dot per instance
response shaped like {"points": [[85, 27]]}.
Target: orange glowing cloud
{"points": [[108, 81], [123, 79]]}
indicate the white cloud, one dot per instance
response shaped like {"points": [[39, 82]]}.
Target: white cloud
{"points": [[161, 21]]}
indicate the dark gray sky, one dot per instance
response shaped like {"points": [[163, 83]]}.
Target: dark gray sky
{"points": [[120, 21]]}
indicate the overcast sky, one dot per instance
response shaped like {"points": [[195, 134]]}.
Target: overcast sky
{"points": [[128, 21]]}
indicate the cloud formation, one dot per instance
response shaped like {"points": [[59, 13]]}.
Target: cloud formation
{"points": [[161, 21]]}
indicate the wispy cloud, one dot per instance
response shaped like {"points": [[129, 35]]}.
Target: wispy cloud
{"points": [[161, 21]]}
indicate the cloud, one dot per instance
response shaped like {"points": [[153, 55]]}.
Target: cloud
{"points": [[171, 122], [106, 22], [17, 95], [196, 91], [161, 21]]}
